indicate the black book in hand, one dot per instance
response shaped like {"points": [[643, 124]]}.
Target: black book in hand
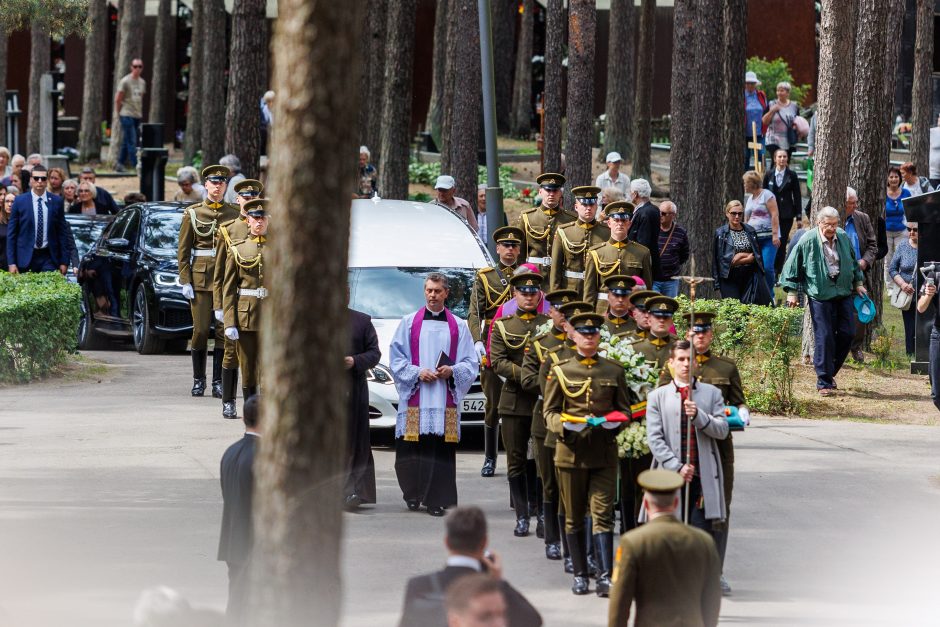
{"points": [[444, 360]]}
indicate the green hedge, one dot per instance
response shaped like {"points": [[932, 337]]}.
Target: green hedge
{"points": [[427, 173], [765, 343], [39, 316]]}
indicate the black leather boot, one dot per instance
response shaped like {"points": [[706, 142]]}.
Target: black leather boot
{"points": [[534, 496], [581, 583], [229, 383], [217, 372], [552, 539], [199, 372], [565, 549], [589, 544], [517, 490], [604, 548], [489, 451]]}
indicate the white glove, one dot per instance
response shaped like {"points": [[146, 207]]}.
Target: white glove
{"points": [[231, 333], [218, 315], [481, 350], [745, 414], [188, 292]]}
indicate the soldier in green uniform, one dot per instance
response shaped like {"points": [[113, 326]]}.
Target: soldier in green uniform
{"points": [[572, 241], [490, 290], [721, 372], [657, 345], [578, 387], [243, 292], [196, 257], [508, 345], [540, 223], [638, 299], [232, 232], [535, 356], [619, 321], [618, 255]]}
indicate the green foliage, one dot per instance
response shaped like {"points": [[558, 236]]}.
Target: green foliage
{"points": [[426, 174], [772, 72], [420, 197], [764, 341], [59, 17], [881, 345], [39, 315]]}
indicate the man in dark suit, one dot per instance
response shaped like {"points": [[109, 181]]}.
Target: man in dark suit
{"points": [[364, 354], [37, 233], [466, 543], [785, 186], [644, 229], [237, 537]]}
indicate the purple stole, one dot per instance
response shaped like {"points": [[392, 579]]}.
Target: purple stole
{"points": [[413, 416]]}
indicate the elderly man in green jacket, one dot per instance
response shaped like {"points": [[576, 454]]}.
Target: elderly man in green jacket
{"points": [[824, 267]]}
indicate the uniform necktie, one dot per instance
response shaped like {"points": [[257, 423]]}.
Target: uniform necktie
{"points": [[617, 320], [616, 244], [215, 205], [587, 361], [658, 342], [40, 223], [526, 315], [701, 358], [260, 239]]}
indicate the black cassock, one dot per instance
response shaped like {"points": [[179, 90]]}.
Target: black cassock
{"points": [[236, 539], [365, 352]]}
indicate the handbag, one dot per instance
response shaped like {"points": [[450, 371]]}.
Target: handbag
{"points": [[757, 292], [899, 298], [792, 135]]}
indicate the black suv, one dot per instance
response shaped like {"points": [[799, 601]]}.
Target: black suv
{"points": [[130, 282]]}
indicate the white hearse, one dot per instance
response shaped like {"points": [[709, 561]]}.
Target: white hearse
{"points": [[393, 245]]}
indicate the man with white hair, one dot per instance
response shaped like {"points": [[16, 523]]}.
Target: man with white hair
{"points": [[368, 176], [673, 250], [823, 266], [645, 226]]}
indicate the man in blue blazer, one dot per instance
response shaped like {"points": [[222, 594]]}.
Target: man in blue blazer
{"points": [[37, 234]]}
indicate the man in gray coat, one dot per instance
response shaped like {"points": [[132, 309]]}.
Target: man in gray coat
{"points": [[667, 409]]}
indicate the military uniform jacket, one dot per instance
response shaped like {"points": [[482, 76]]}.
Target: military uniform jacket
{"points": [[624, 328], [672, 571], [510, 341], [655, 349], [569, 253], [199, 232], [532, 382], [539, 226], [613, 257], [230, 233], [244, 270], [585, 386], [719, 371], [487, 295]]}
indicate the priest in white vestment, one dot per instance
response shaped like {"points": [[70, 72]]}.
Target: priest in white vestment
{"points": [[433, 363]]}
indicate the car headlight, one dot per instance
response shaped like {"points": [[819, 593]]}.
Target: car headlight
{"points": [[166, 278], [380, 374]]}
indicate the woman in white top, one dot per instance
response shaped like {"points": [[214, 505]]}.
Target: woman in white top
{"points": [[760, 212], [779, 118]]}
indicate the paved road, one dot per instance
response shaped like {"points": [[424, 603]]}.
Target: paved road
{"points": [[108, 488]]}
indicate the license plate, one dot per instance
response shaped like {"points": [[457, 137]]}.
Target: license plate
{"points": [[473, 406]]}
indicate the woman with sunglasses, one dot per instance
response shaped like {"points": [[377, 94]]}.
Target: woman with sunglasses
{"points": [[738, 269], [901, 269]]}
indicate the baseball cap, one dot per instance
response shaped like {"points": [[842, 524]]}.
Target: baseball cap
{"points": [[445, 181]]}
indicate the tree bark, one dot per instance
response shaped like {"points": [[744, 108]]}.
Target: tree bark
{"points": [[467, 107], [522, 88], [922, 100], [193, 138], [299, 468], [214, 90], [439, 66], [396, 137], [39, 59], [161, 76], [621, 76], [3, 82], [642, 131], [130, 46], [451, 67], [89, 143], [734, 66], [555, 19], [682, 108], [503, 13], [373, 73], [249, 54], [582, 24]]}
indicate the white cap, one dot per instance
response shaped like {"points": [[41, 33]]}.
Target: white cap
{"points": [[445, 181], [751, 77], [613, 156]]}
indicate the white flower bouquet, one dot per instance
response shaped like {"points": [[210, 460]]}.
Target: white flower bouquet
{"points": [[631, 441], [641, 377]]}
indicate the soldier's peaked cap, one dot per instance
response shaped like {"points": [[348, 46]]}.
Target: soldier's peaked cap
{"points": [[527, 281], [214, 172], [662, 306], [561, 297], [508, 235], [702, 322], [257, 208], [550, 180], [638, 299], [660, 481], [587, 322], [622, 209], [575, 307], [585, 191], [249, 185], [619, 284]]}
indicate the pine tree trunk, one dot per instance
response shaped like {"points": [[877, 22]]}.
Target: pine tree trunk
{"points": [[215, 55], [89, 143], [39, 60], [922, 98], [522, 89], [130, 47], [621, 69], [193, 139], [301, 459], [438, 69], [582, 24], [160, 83], [3, 81], [682, 109], [249, 55], [396, 139], [734, 67], [506, 59], [876, 59], [452, 66], [373, 73], [642, 130], [468, 100], [555, 20]]}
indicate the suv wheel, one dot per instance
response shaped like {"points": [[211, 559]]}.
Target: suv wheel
{"points": [[88, 338], [145, 340]]}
